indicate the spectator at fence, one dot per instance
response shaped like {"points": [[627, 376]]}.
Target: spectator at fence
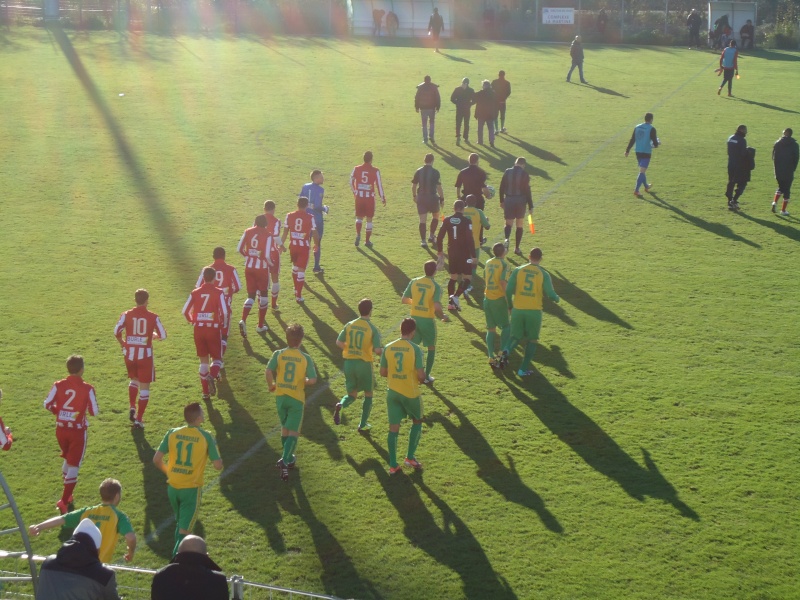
{"points": [[392, 23], [747, 33], [576, 52], [435, 27], [377, 18], [602, 21], [191, 575], [693, 22], [75, 571]]}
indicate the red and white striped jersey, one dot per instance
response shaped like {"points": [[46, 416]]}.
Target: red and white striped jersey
{"points": [[363, 181], [300, 225], [70, 400], [253, 246], [5, 438], [227, 279], [274, 242], [139, 326], [207, 307]]}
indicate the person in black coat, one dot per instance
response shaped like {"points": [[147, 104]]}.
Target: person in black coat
{"points": [[693, 23], [785, 156], [462, 97], [191, 575], [485, 111], [576, 52], [738, 167]]}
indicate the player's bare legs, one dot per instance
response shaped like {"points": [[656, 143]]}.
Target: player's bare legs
{"points": [[368, 228], [248, 306], [263, 305]]}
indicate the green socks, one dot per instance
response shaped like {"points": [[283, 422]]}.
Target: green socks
{"points": [[393, 448], [288, 449], [505, 335], [530, 350], [490, 337], [429, 361], [413, 439], [178, 539], [283, 440], [366, 408], [347, 401]]}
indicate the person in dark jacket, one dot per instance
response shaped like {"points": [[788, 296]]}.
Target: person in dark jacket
{"points": [[427, 102], [602, 21], [576, 52], [747, 33], [485, 111], [785, 155], [75, 572], [693, 22], [191, 575], [462, 97], [435, 27], [738, 171], [502, 90], [392, 23]]}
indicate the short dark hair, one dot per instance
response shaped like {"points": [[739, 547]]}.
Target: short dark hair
{"points": [[458, 205], [428, 77], [367, 156], [499, 250], [428, 158], [521, 161], [141, 296], [430, 268], [219, 252], [408, 326], [294, 334], [472, 200], [261, 221], [109, 489], [741, 128], [365, 307], [473, 158], [648, 117], [788, 132], [536, 254], [502, 73], [314, 173], [269, 205], [302, 202], [191, 412], [74, 364], [209, 274]]}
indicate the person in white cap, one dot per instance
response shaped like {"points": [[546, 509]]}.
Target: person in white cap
{"points": [[75, 571]]}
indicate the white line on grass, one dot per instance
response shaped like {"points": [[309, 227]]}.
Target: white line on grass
{"points": [[613, 138]]}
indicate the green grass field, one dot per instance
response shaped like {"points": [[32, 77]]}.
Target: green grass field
{"points": [[654, 453]]}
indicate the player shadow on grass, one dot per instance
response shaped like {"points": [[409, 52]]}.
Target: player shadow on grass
{"points": [[575, 296], [533, 150], [339, 575], [452, 544], [765, 105], [491, 469], [603, 90], [548, 357], [598, 449], [157, 510], [393, 273], [250, 477], [455, 161], [339, 307], [161, 221], [790, 232], [715, 228], [455, 58], [504, 160]]}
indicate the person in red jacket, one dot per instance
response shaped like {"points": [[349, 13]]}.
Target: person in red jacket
{"points": [[5, 433]]}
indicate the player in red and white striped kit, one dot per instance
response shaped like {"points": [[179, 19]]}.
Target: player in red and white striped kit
{"points": [[255, 246], [6, 438], [300, 227], [227, 280], [140, 326], [207, 310], [275, 248], [70, 400], [363, 181]]}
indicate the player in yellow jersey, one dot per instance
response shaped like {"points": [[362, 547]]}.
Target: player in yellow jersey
{"points": [[401, 364], [479, 220], [424, 296], [358, 340], [495, 306], [526, 287], [110, 520], [288, 373], [187, 449]]}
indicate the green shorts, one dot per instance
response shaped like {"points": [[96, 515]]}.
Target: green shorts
{"points": [[399, 407], [185, 504], [425, 335], [358, 376], [496, 313], [526, 324], [290, 412]]}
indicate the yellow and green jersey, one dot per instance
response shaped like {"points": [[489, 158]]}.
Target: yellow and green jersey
{"points": [[360, 338], [526, 285], [425, 293], [111, 522], [187, 450], [402, 358], [478, 219], [495, 273], [291, 367]]}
